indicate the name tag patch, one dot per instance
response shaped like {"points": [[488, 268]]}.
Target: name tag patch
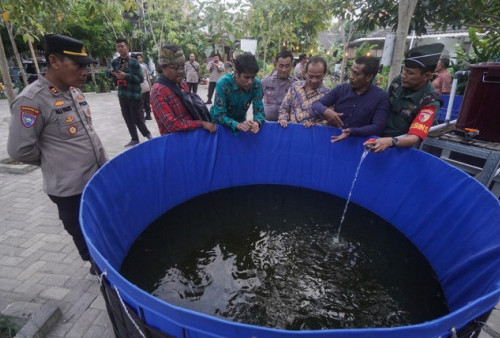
{"points": [[63, 109]]}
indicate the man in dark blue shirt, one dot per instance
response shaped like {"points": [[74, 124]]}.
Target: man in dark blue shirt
{"points": [[358, 107]]}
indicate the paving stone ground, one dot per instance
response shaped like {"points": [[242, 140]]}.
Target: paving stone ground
{"points": [[38, 260], [39, 263]]}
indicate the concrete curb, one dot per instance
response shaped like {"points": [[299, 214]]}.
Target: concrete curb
{"points": [[41, 322], [8, 165]]}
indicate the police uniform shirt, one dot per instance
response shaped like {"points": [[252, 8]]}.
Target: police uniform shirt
{"points": [[53, 129], [274, 90]]}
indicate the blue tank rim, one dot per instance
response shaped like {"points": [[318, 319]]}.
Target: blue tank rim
{"points": [[464, 312]]}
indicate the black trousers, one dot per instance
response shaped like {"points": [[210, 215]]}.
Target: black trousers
{"points": [[211, 88], [146, 105], [193, 87], [69, 209], [133, 116]]}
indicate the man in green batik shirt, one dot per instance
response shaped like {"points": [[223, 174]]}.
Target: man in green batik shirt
{"points": [[235, 92]]}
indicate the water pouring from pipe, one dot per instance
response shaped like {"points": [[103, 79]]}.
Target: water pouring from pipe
{"points": [[367, 147]]}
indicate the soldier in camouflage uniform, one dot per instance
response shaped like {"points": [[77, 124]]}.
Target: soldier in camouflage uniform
{"points": [[413, 100]]}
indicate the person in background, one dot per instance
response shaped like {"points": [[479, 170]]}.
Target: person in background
{"points": [[442, 83], [145, 87], [235, 92], [296, 106], [51, 126], [413, 100], [127, 74], [192, 70], [298, 71], [359, 107], [216, 69], [276, 84], [171, 114]]}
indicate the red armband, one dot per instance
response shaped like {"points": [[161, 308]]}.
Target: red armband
{"points": [[422, 122]]}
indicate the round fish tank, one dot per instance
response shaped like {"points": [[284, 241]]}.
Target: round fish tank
{"points": [[451, 218]]}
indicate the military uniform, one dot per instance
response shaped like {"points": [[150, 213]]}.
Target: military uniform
{"points": [[411, 112], [53, 128]]}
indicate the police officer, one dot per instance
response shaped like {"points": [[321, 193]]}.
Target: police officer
{"points": [[276, 85], [413, 100], [51, 126]]}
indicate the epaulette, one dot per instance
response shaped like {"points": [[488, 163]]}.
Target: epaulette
{"points": [[33, 89], [430, 97]]}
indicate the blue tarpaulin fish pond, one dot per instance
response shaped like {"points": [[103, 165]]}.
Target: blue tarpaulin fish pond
{"points": [[452, 219]]}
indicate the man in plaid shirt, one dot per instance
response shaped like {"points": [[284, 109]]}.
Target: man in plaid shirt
{"points": [[127, 74], [169, 110]]}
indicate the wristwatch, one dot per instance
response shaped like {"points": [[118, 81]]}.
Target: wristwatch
{"points": [[395, 141]]}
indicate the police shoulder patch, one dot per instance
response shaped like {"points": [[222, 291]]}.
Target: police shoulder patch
{"points": [[29, 115]]}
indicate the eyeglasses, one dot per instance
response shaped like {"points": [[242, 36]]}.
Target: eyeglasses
{"points": [[179, 68]]}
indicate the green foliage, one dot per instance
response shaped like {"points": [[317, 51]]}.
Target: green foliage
{"points": [[292, 24], [89, 87], [95, 30], [7, 327], [382, 78], [463, 62], [172, 26], [483, 15], [264, 68], [364, 49], [484, 49], [223, 20], [103, 84]]}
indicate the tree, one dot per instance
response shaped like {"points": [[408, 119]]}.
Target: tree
{"points": [[481, 15], [224, 20], [172, 22], [484, 15], [95, 23], [292, 25], [405, 11], [25, 17], [266, 22], [4, 67]]}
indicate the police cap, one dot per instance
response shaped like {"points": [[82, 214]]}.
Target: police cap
{"points": [[426, 56], [69, 47]]}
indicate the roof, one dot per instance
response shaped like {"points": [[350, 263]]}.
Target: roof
{"points": [[379, 35], [327, 39]]}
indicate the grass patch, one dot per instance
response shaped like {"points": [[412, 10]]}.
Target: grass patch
{"points": [[7, 328]]}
